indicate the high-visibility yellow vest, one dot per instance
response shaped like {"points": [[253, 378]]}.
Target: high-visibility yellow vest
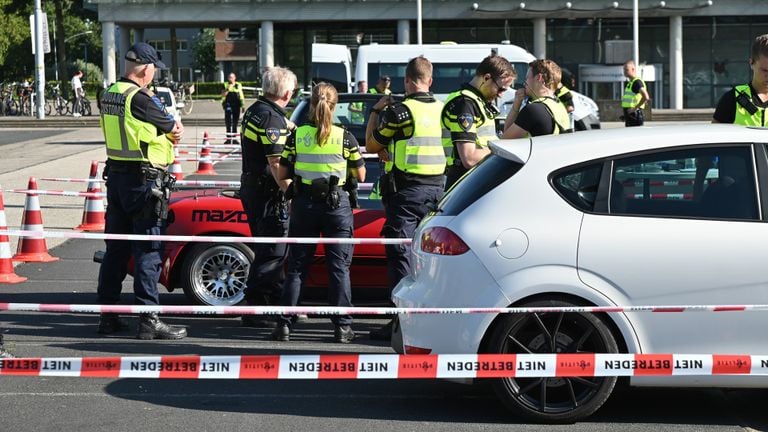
{"points": [[314, 161], [743, 117], [562, 91], [422, 153], [234, 88], [486, 128], [558, 113], [631, 99], [128, 138], [374, 90]]}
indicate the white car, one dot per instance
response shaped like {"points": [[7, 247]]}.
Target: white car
{"points": [[671, 215], [169, 100]]}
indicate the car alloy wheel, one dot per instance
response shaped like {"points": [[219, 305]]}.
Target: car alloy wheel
{"points": [[216, 274], [553, 400]]}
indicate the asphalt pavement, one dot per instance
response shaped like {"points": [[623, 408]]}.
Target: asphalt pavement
{"points": [[82, 404]]}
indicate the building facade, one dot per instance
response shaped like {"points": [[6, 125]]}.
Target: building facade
{"points": [[698, 48]]}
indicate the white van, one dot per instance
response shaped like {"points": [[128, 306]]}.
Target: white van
{"points": [[454, 65], [332, 64]]}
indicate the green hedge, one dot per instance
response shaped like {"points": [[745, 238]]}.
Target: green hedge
{"points": [[206, 90]]}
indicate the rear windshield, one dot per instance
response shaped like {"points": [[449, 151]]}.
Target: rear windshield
{"points": [[488, 174]]}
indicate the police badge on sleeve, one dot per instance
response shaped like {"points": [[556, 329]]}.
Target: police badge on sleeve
{"points": [[466, 121], [273, 134]]}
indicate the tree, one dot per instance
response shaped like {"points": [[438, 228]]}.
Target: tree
{"points": [[205, 53], [15, 41]]}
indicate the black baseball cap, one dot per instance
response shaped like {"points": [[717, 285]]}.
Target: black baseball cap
{"points": [[143, 53]]}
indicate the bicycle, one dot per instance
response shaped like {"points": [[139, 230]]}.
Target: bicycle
{"points": [[85, 106], [182, 94], [8, 106], [55, 101]]}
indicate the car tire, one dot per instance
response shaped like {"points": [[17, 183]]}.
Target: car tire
{"points": [[553, 400], [215, 274]]}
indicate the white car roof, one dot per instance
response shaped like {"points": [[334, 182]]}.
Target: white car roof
{"points": [[563, 150]]}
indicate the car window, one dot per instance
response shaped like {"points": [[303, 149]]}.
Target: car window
{"points": [[579, 186], [485, 176], [711, 182]]}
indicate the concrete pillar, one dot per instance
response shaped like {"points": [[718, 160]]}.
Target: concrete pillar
{"points": [[676, 62], [125, 43], [138, 35], [540, 38], [266, 45], [403, 32], [108, 56], [221, 72]]}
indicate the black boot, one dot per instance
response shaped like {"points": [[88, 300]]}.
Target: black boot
{"points": [[111, 323], [344, 334], [282, 333], [382, 333], [5, 354], [150, 327]]}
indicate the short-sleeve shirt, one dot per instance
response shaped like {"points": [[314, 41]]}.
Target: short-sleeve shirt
{"points": [[350, 146], [536, 119], [76, 85], [725, 112], [145, 106], [264, 133], [396, 122], [463, 107]]}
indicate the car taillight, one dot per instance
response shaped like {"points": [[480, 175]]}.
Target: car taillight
{"points": [[442, 241], [410, 350]]}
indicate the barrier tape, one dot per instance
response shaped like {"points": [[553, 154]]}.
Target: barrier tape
{"points": [[336, 310], [59, 193], [210, 146], [205, 239], [208, 158], [72, 180], [389, 366]]}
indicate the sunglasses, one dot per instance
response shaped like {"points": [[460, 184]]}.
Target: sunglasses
{"points": [[502, 89]]}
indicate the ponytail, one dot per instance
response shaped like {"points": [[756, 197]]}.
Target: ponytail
{"points": [[322, 105]]}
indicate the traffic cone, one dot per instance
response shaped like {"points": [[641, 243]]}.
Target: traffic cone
{"points": [[175, 169], [93, 211], [204, 164], [205, 139], [6, 265], [32, 249]]}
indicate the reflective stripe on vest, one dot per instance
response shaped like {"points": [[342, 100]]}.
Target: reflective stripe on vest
{"points": [[743, 117], [485, 131], [128, 138], [558, 113], [422, 153], [631, 99], [314, 161]]}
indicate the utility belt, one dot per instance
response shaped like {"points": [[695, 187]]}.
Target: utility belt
{"points": [[394, 181], [320, 190], [162, 180]]}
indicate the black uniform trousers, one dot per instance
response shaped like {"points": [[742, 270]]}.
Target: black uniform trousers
{"points": [[310, 219], [404, 211], [231, 118], [267, 272], [131, 210]]}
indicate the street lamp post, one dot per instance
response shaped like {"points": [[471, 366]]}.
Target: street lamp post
{"points": [[85, 45]]}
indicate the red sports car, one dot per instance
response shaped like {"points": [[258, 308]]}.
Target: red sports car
{"points": [[215, 273]]}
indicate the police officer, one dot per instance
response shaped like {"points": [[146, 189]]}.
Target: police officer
{"points": [[543, 114], [411, 133], [635, 96], [746, 104], [139, 137], [233, 102], [469, 113], [382, 87], [264, 132], [315, 164]]}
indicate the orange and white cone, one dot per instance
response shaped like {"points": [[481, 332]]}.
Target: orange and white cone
{"points": [[205, 164], [32, 249], [205, 139], [6, 265], [175, 169], [94, 214]]}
